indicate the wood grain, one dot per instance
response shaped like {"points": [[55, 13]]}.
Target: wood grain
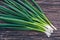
{"points": [[51, 9]]}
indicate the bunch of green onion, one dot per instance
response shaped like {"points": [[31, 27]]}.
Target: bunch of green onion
{"points": [[22, 15]]}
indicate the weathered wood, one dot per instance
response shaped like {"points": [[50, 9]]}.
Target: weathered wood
{"points": [[51, 9]]}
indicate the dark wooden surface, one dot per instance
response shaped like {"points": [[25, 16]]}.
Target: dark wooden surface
{"points": [[52, 11]]}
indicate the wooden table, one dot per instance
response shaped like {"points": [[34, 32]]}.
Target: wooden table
{"points": [[52, 11]]}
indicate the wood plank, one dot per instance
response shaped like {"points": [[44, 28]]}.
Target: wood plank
{"points": [[51, 9]]}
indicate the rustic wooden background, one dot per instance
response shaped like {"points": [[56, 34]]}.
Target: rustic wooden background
{"points": [[52, 11]]}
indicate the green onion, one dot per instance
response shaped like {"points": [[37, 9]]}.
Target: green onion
{"points": [[21, 15]]}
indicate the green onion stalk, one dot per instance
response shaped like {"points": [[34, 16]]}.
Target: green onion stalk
{"points": [[38, 7], [21, 15]]}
